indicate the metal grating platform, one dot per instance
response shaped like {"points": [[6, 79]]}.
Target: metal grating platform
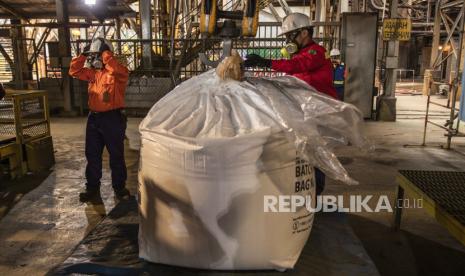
{"points": [[446, 188]]}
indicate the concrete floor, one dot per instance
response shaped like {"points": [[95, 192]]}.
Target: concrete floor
{"points": [[43, 220]]}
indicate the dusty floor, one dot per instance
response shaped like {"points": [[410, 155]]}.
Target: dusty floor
{"points": [[423, 247], [46, 221], [49, 221]]}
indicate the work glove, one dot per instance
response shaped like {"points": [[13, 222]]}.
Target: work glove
{"points": [[85, 50], [103, 46], [254, 60]]}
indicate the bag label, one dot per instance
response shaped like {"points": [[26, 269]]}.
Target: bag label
{"points": [[303, 175], [302, 223], [303, 184]]}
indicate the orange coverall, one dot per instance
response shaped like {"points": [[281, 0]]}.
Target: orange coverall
{"points": [[107, 86]]}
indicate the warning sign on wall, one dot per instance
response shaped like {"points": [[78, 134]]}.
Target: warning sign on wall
{"points": [[397, 29]]}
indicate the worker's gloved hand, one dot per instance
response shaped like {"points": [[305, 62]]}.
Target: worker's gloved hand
{"points": [[103, 46], [85, 50], [254, 60]]}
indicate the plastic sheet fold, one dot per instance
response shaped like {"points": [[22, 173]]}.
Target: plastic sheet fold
{"points": [[214, 152], [207, 107]]}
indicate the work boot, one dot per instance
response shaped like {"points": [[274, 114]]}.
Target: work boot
{"points": [[122, 194], [89, 194]]}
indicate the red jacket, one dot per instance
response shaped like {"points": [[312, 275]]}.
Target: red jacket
{"points": [[310, 65], [107, 86]]}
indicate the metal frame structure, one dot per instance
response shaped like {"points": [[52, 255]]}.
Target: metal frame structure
{"points": [[24, 118], [433, 188], [444, 18], [268, 47], [191, 65], [155, 24], [167, 39]]}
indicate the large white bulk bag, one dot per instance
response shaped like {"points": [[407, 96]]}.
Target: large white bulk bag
{"points": [[213, 150]]}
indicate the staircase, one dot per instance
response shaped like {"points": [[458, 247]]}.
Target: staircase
{"points": [[190, 53], [189, 35], [188, 43], [6, 72]]}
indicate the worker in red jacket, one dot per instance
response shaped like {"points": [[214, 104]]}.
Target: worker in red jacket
{"points": [[308, 61], [106, 123]]}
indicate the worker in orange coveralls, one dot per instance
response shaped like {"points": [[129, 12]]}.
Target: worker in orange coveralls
{"points": [[106, 123], [307, 59]]}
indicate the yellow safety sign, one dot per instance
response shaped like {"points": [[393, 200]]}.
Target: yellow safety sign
{"points": [[397, 29]]}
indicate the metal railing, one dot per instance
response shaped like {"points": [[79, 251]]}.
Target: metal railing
{"points": [[25, 115], [8, 70], [266, 43]]}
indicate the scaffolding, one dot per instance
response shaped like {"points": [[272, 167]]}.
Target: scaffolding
{"points": [[449, 17]]}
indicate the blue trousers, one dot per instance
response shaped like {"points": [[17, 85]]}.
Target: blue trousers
{"points": [[105, 129], [320, 181], [340, 92]]}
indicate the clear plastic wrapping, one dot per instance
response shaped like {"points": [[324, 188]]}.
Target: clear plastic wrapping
{"points": [[206, 107], [213, 150]]}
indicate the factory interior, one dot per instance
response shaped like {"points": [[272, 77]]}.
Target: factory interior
{"points": [[163, 137]]}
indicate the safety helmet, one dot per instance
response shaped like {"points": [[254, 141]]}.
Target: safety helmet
{"points": [[295, 21], [334, 53], [96, 44]]}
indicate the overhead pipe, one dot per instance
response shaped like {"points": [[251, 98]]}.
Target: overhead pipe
{"points": [[287, 10], [452, 4], [274, 12]]}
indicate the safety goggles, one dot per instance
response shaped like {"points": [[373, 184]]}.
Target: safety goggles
{"points": [[290, 37]]}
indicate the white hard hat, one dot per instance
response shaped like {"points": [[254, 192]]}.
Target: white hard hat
{"points": [[295, 21], [334, 52], [97, 43]]}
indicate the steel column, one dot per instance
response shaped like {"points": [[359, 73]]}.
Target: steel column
{"points": [[20, 56], [386, 105], [64, 44], [456, 82], [457, 26], [356, 5], [145, 10], [393, 53], [436, 34], [343, 6], [319, 5], [118, 35]]}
